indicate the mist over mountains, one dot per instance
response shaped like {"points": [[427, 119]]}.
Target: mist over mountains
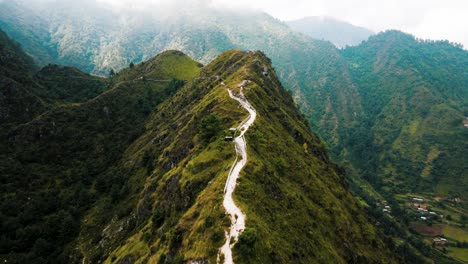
{"points": [[340, 33], [96, 38], [117, 130]]}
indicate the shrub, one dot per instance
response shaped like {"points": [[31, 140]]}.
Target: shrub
{"points": [[158, 219], [209, 127], [247, 240]]}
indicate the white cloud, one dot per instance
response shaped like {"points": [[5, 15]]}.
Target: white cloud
{"points": [[434, 19]]}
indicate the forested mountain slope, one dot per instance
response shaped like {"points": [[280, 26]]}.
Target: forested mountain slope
{"points": [[398, 119], [27, 91], [390, 110], [17, 102], [398, 101], [56, 165], [414, 94], [137, 173]]}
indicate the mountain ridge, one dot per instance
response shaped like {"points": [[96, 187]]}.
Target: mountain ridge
{"points": [[137, 174], [340, 33]]}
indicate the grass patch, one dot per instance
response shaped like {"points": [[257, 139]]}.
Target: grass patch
{"points": [[458, 253], [457, 233]]}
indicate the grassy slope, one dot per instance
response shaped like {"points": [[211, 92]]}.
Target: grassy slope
{"points": [[303, 184], [68, 154], [180, 214]]}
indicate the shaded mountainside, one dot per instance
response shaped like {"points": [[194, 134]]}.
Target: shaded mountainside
{"points": [[338, 32], [68, 85], [17, 102], [136, 174], [395, 113], [27, 92], [60, 163]]}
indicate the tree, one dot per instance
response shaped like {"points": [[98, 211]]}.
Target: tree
{"points": [[131, 64], [209, 127], [111, 73]]}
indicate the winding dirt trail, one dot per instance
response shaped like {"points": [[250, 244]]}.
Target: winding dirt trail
{"points": [[236, 215]]}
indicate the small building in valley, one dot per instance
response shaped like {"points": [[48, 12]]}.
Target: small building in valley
{"points": [[440, 241]]}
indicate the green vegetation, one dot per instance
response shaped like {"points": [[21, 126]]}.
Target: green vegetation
{"points": [[391, 112], [210, 126], [413, 112], [136, 174], [59, 165], [246, 244], [187, 186], [68, 85], [459, 253], [459, 234]]}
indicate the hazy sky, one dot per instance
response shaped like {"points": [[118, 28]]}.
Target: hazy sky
{"points": [[433, 19]]}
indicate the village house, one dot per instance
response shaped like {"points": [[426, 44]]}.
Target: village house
{"points": [[440, 241], [418, 199]]}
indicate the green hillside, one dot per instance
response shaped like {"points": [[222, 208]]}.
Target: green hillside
{"points": [[136, 174], [27, 91], [68, 85], [17, 102], [178, 215], [414, 95], [60, 163]]}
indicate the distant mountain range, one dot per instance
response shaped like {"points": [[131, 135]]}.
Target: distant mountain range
{"points": [[390, 110], [338, 32]]}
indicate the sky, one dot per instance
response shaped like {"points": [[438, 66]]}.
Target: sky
{"points": [[428, 19]]}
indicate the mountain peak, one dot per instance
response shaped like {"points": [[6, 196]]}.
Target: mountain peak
{"points": [[189, 159]]}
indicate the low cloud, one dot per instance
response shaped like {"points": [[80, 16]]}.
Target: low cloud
{"points": [[432, 19]]}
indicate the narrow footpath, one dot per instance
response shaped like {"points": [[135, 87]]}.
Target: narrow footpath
{"points": [[236, 215]]}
